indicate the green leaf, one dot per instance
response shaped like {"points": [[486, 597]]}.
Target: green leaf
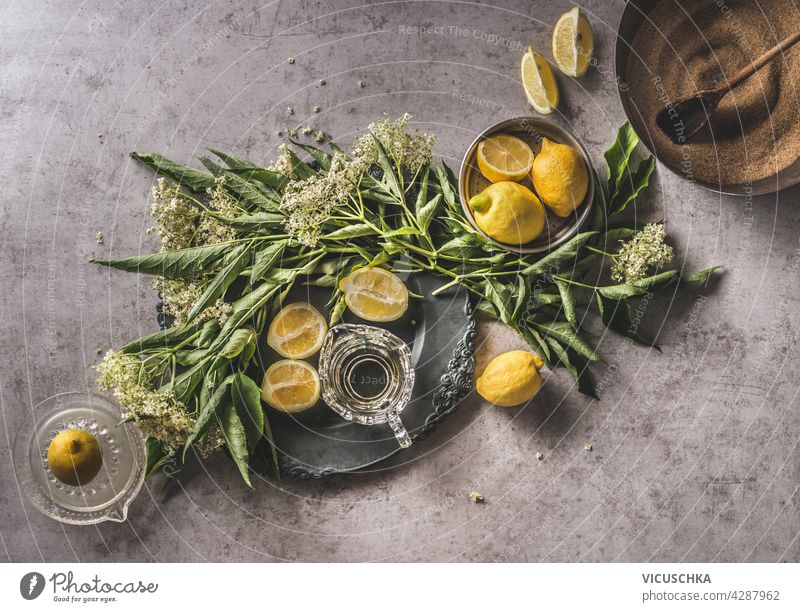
{"points": [[323, 158], [428, 212], [523, 299], [156, 456], [502, 299], [239, 339], [556, 260], [337, 311], [190, 357], [576, 366], [245, 308], [446, 184], [192, 179], [631, 185], [625, 291], [299, 167], [272, 181], [216, 288], [348, 232], [265, 260], [247, 399], [257, 222], [618, 156], [535, 342], [567, 302], [182, 263], [164, 339], [235, 162], [422, 193], [616, 316], [185, 384], [389, 172], [698, 279], [207, 411], [563, 332], [209, 331], [236, 439], [403, 231], [248, 193]]}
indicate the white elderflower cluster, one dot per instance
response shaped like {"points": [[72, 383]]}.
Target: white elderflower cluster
{"points": [[176, 219], [283, 165], [409, 150], [211, 231], [308, 203], [645, 250], [179, 296], [158, 414]]}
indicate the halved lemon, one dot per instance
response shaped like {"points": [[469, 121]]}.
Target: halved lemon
{"points": [[297, 331], [290, 385], [503, 157], [375, 294], [573, 43], [539, 82]]}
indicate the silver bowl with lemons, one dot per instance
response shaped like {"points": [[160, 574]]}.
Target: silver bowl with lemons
{"points": [[532, 130]]}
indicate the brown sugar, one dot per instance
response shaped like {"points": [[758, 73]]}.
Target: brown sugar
{"points": [[685, 46]]}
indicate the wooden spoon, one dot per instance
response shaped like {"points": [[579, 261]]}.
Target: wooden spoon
{"points": [[683, 118]]}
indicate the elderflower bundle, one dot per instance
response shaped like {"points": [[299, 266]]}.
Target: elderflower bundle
{"points": [[644, 251]]}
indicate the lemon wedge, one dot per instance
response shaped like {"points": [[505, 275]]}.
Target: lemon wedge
{"points": [[290, 385], [503, 157], [539, 82], [573, 43], [297, 331], [375, 294]]}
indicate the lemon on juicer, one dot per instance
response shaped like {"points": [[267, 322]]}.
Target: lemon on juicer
{"points": [[508, 212], [511, 379], [74, 457], [560, 177]]}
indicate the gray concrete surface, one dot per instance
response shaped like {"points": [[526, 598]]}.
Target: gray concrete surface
{"points": [[695, 449]]}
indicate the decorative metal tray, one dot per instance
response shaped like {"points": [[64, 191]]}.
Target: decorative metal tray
{"points": [[441, 332]]}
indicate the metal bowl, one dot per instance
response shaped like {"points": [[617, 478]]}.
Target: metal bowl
{"points": [[530, 129], [633, 16]]}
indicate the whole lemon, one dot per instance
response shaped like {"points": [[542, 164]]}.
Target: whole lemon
{"points": [[508, 212], [560, 177], [74, 457], [511, 379]]}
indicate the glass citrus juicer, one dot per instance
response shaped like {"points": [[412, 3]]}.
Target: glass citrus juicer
{"points": [[366, 376], [105, 497]]}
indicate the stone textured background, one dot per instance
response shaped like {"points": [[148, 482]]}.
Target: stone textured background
{"points": [[695, 449]]}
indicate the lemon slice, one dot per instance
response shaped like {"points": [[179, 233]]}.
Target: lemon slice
{"points": [[539, 82], [297, 331], [573, 43], [503, 157], [290, 385], [375, 294]]}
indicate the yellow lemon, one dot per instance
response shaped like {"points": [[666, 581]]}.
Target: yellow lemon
{"points": [[290, 385], [511, 379], [297, 331], [560, 177], [503, 157], [539, 82], [508, 212], [573, 43], [375, 294], [74, 457]]}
